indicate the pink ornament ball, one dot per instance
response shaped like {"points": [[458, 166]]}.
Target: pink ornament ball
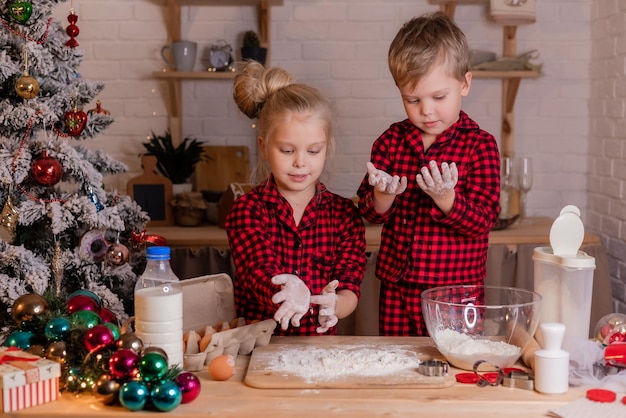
{"points": [[108, 316], [124, 364], [189, 385], [82, 303], [98, 337]]}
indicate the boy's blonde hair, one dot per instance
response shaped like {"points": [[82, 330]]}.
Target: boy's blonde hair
{"points": [[424, 42], [271, 96]]}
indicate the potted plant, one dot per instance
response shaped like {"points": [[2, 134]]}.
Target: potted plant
{"points": [[251, 48], [176, 163]]}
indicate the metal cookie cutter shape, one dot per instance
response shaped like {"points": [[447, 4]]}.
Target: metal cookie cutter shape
{"points": [[518, 380], [433, 368]]}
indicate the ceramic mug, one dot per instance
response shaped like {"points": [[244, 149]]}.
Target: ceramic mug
{"points": [[180, 55]]}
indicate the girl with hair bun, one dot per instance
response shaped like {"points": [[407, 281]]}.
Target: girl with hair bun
{"points": [[298, 249]]}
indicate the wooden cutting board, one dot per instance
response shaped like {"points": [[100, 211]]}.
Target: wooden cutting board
{"points": [[223, 165], [265, 371]]}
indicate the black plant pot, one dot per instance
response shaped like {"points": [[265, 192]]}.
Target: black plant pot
{"points": [[255, 54]]}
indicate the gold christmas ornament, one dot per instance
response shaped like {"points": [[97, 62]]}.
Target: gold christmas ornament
{"points": [[57, 351], [28, 306], [8, 220], [26, 86]]}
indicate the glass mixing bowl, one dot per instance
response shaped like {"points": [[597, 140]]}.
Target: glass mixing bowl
{"points": [[488, 323]]}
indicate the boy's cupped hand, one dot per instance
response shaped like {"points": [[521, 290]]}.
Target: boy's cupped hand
{"points": [[385, 182]]}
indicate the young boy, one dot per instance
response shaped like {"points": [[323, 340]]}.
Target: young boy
{"points": [[433, 179]]}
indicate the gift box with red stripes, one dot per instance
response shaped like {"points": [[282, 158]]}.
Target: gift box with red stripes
{"points": [[26, 379]]}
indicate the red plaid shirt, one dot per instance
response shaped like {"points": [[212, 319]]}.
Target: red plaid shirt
{"points": [[328, 244], [419, 243]]}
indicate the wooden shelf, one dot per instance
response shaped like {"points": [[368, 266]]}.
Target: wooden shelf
{"points": [[505, 74], [226, 2], [194, 75], [174, 79], [510, 80]]}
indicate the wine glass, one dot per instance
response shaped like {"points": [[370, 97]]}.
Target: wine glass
{"points": [[507, 184], [524, 170]]}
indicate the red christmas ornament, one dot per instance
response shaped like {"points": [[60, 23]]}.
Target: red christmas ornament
{"points": [[82, 303], [72, 30], [108, 316], [75, 120], [98, 337], [189, 385], [46, 170], [124, 364]]}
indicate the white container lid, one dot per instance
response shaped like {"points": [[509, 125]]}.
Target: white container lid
{"points": [[566, 236]]}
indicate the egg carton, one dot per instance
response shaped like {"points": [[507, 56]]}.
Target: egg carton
{"points": [[233, 341], [209, 300]]}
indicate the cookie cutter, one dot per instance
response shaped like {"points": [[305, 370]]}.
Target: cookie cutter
{"points": [[433, 368], [602, 370], [518, 380]]}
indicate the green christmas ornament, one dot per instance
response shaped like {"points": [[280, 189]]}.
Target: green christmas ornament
{"points": [[20, 11], [87, 319], [152, 367]]}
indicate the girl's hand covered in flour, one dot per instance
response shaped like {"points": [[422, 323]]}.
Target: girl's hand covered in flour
{"points": [[327, 301], [294, 299]]}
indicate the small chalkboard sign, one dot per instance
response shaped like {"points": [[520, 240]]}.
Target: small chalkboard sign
{"points": [[153, 193]]}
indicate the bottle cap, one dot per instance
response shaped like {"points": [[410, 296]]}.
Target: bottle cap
{"points": [[158, 253]]}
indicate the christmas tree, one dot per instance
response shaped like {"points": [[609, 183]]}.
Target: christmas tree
{"points": [[60, 231]]}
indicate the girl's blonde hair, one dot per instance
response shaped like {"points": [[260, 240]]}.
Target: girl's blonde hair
{"points": [[271, 96], [424, 42]]}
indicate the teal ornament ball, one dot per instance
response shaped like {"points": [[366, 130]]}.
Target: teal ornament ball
{"points": [[134, 395], [115, 330], [152, 367], [20, 339], [57, 328], [166, 396], [86, 319]]}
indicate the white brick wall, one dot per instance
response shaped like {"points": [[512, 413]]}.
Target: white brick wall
{"points": [[571, 120], [340, 47], [607, 136]]}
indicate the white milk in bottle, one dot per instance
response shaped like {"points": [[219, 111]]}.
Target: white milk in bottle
{"points": [[159, 306]]}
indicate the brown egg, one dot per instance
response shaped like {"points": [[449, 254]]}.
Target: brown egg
{"points": [[205, 341], [222, 367]]}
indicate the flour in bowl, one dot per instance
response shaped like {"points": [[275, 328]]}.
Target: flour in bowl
{"points": [[463, 351], [322, 364]]}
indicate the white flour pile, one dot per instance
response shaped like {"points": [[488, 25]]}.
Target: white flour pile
{"points": [[462, 350], [319, 363]]}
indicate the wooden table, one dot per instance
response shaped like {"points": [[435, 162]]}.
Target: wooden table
{"points": [[233, 398], [211, 235]]}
